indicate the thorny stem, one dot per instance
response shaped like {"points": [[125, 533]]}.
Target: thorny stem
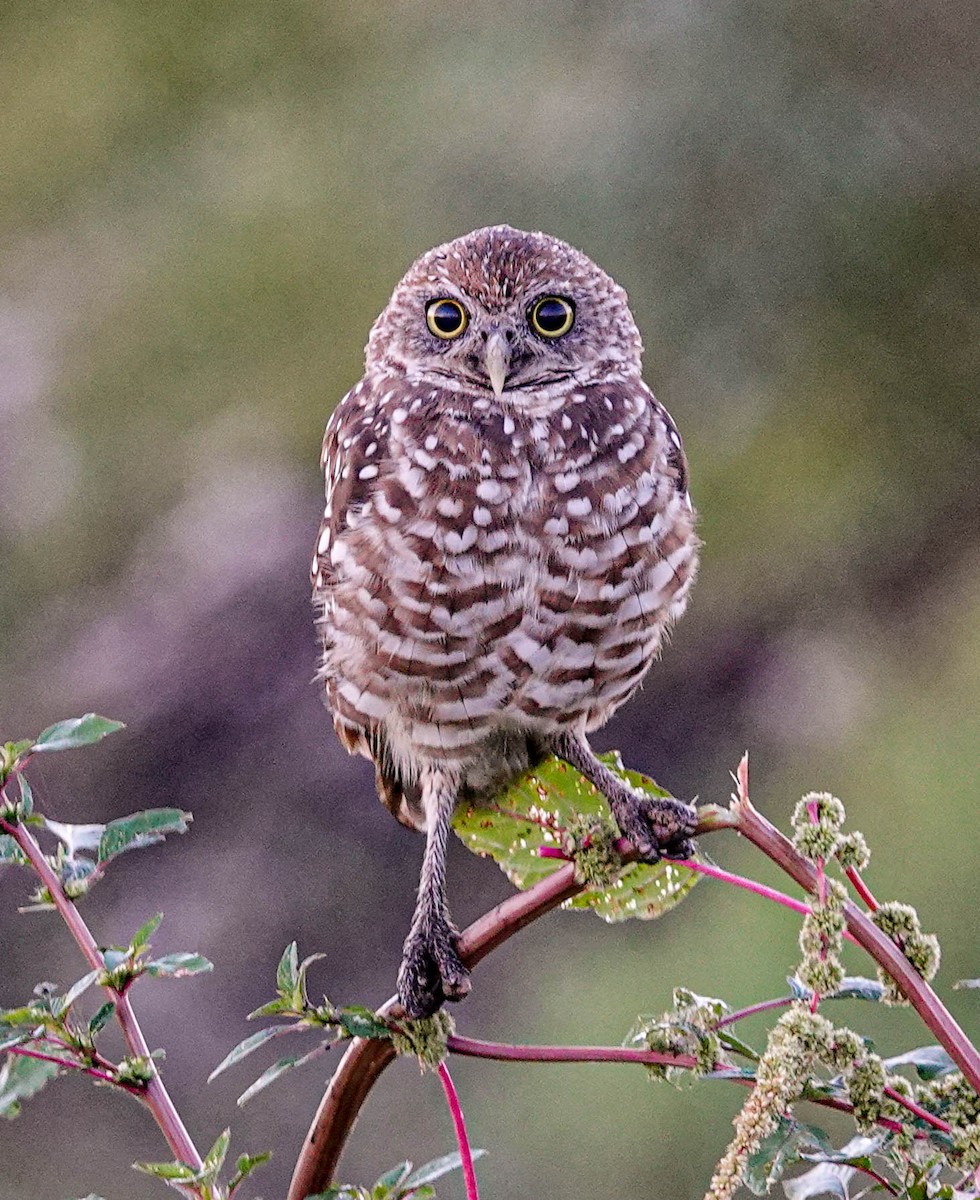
{"points": [[154, 1094], [462, 1138]]}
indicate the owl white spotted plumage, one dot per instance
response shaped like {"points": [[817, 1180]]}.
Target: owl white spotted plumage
{"points": [[507, 536]]}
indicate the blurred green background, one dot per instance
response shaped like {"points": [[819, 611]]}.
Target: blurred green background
{"points": [[204, 205]]}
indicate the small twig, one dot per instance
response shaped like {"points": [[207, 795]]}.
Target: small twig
{"points": [[69, 1065], [862, 889], [762, 1006], [462, 1138], [154, 1094]]}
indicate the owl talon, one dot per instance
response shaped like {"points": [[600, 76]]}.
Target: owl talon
{"points": [[431, 972], [659, 827]]}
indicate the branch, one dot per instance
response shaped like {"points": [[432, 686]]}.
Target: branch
{"points": [[462, 1138], [154, 1094]]}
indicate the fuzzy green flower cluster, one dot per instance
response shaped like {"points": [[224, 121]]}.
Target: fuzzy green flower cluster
{"points": [[817, 821], [901, 923], [952, 1098], [425, 1038], [821, 940], [590, 841], [688, 1029], [794, 1045]]}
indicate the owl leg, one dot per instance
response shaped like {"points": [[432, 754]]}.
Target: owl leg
{"points": [[655, 825], [431, 970]]}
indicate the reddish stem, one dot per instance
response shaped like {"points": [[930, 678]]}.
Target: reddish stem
{"points": [[459, 1124], [917, 1110], [861, 888], [762, 1006], [154, 1093], [102, 1076]]}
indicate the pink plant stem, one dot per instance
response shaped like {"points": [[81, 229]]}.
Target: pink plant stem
{"points": [[459, 1123], [861, 888], [762, 1006], [749, 885], [917, 1110], [102, 1076], [154, 1093], [502, 1052]]}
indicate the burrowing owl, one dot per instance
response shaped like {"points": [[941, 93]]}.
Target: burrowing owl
{"points": [[507, 536]]}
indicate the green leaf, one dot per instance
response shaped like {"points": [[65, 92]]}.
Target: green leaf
{"points": [[929, 1061], [437, 1168], [26, 796], [10, 852], [141, 829], [391, 1179], [101, 1018], [534, 813], [244, 1167], [280, 1068], [214, 1160], [61, 1004], [78, 731], [732, 1042], [21, 1078], [169, 1170], [13, 1038], [358, 1021], [75, 837], [853, 987], [142, 935], [825, 1179], [178, 966], [287, 973], [781, 1149], [245, 1047], [967, 983]]}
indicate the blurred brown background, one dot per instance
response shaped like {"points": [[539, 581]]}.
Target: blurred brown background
{"points": [[204, 205]]}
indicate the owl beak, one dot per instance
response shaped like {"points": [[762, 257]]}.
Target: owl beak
{"points": [[496, 358]]}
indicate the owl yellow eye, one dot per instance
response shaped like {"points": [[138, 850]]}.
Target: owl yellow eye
{"points": [[446, 318], [552, 316]]}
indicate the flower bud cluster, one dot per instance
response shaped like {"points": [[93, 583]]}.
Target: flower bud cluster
{"points": [[794, 1046], [901, 923], [688, 1029], [952, 1098], [817, 821], [426, 1038], [852, 851], [590, 841], [821, 940]]}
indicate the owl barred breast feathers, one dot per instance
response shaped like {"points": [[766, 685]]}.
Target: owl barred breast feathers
{"points": [[507, 536]]}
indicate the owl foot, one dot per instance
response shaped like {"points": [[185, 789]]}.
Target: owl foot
{"points": [[659, 827], [431, 971]]}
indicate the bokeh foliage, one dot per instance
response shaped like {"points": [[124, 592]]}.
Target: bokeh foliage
{"points": [[203, 208]]}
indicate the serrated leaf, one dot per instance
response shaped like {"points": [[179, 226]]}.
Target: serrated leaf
{"points": [[61, 1004], [534, 812], [437, 1168], [141, 829], [21, 1078], [101, 1018], [287, 973], [178, 966], [277, 1069], [142, 935], [929, 1061], [245, 1047], [75, 732]]}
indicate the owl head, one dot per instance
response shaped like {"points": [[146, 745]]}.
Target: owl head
{"points": [[505, 312]]}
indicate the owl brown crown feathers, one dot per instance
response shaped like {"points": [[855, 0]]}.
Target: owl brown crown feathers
{"points": [[507, 536]]}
